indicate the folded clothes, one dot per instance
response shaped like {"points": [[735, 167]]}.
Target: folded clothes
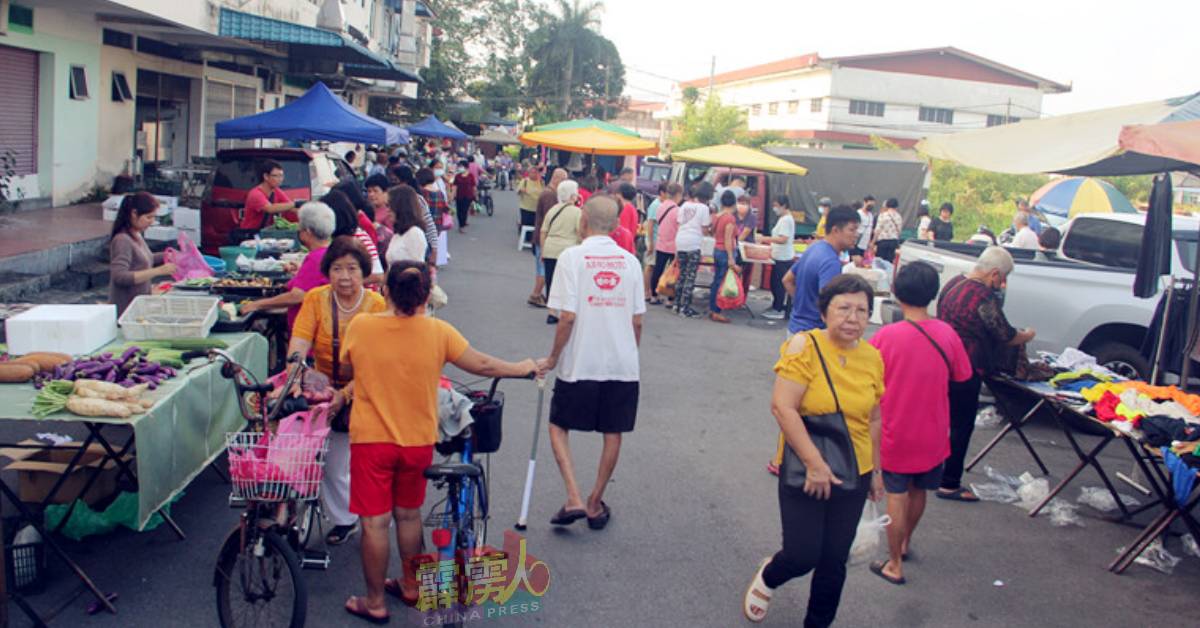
{"points": [[1164, 430], [1171, 393]]}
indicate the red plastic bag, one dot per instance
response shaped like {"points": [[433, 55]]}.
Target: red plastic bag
{"points": [[731, 295], [189, 263]]}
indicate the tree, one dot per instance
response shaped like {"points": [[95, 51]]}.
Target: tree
{"points": [[707, 124], [979, 197], [575, 70]]}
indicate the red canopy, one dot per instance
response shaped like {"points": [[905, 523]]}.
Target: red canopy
{"points": [[1172, 140]]}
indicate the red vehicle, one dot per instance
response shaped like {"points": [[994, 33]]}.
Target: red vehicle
{"points": [[306, 174]]}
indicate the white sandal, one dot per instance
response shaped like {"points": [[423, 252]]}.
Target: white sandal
{"points": [[758, 596]]}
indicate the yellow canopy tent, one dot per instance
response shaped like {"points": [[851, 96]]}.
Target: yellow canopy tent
{"points": [[734, 156], [591, 141]]}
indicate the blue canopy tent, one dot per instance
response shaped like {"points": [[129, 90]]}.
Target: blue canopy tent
{"points": [[432, 127], [318, 115]]}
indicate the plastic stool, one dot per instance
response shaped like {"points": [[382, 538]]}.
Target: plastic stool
{"points": [[524, 242]]}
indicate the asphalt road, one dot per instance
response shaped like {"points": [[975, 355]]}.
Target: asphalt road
{"points": [[693, 509]]}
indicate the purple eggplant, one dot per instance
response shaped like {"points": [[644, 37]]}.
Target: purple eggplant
{"points": [[153, 385], [111, 376], [129, 353]]}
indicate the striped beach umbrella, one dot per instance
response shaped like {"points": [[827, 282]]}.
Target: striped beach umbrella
{"points": [[1068, 197]]}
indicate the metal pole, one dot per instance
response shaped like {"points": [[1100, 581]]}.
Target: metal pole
{"points": [[1162, 332], [712, 71], [1191, 327], [523, 519]]}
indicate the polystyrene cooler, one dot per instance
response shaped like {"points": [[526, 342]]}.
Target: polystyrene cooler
{"points": [[71, 329]]}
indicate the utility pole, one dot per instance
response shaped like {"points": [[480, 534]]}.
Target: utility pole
{"points": [[606, 71], [712, 72], [1008, 112]]}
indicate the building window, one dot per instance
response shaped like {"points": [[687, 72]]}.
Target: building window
{"points": [[79, 87], [866, 108], [755, 110], [814, 105], [773, 109], [994, 120], [20, 19], [120, 88], [793, 106], [118, 39], [937, 115]]}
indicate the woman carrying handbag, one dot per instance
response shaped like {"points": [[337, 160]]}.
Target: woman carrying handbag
{"points": [[827, 390]]}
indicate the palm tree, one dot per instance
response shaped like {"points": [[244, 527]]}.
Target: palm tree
{"points": [[566, 33]]}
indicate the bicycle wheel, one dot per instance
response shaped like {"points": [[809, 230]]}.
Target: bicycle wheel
{"points": [[259, 590], [306, 521], [489, 205]]}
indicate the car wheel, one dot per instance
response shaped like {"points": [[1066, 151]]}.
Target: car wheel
{"points": [[1123, 360]]}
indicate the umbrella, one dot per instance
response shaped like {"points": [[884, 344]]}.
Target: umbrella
{"points": [[1080, 195], [1174, 140], [590, 140], [586, 123], [735, 156]]}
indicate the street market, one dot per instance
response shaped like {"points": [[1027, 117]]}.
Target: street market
{"points": [[279, 365]]}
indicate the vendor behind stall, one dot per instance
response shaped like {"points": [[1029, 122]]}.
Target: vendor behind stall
{"points": [[316, 229], [132, 265], [267, 198]]}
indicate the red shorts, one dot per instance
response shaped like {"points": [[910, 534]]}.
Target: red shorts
{"points": [[384, 476]]}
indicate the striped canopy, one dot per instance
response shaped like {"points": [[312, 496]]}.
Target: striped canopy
{"points": [[1068, 197]]}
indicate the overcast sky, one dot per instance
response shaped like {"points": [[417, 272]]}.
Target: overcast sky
{"points": [[1112, 53]]}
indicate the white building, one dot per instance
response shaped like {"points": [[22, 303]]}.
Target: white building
{"points": [[901, 96], [91, 88]]}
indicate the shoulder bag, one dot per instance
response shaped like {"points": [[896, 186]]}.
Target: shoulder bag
{"points": [[830, 435], [341, 422]]}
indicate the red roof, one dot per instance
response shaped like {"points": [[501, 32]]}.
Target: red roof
{"points": [[775, 67], [645, 105]]}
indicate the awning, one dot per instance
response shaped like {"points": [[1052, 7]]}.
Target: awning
{"points": [[318, 115], [1084, 143], [492, 136], [306, 40], [1172, 140], [587, 123], [432, 127], [393, 72], [735, 156], [591, 141]]}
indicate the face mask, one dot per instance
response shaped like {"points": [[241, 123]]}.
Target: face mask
{"points": [[439, 172]]}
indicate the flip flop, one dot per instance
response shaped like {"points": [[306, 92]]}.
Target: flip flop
{"points": [[877, 569], [566, 517], [958, 495], [598, 522], [392, 587], [357, 606]]}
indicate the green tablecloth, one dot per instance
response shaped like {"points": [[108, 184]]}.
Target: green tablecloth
{"points": [[181, 434]]}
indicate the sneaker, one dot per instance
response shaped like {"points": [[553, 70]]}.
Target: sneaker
{"points": [[774, 315], [689, 313]]}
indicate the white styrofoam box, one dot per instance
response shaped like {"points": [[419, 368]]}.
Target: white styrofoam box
{"points": [[167, 202], [113, 203], [193, 233], [186, 218], [159, 232], [110, 214], [71, 329]]}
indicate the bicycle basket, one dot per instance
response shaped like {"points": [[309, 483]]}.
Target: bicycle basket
{"points": [[485, 430], [267, 467]]}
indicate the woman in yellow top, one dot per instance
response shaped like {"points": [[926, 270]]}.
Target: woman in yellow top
{"points": [[820, 521], [395, 358], [345, 264]]}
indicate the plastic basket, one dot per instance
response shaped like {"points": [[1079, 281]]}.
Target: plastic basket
{"points": [[485, 429], [275, 468], [215, 263], [164, 317], [26, 566], [229, 254]]}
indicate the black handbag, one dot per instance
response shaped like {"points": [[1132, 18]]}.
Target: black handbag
{"points": [[340, 422], [830, 435]]}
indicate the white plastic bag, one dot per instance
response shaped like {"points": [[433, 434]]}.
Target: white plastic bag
{"points": [[1189, 545], [1156, 557], [1099, 498], [988, 418], [868, 538]]}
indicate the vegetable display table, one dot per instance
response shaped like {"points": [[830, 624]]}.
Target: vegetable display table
{"points": [[176, 439]]}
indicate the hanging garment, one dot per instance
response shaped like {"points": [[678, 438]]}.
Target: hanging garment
{"points": [[1174, 342]]}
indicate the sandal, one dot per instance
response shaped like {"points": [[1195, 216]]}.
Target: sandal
{"points": [[959, 495], [566, 517], [877, 569], [599, 521], [758, 596], [392, 587], [357, 606], [341, 534]]}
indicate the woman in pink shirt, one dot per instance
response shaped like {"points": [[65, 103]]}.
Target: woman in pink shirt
{"points": [[921, 356], [667, 219]]}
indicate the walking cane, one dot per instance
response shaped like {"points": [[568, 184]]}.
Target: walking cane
{"points": [[537, 430]]}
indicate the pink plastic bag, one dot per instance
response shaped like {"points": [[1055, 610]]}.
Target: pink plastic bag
{"points": [[189, 263], [288, 458]]}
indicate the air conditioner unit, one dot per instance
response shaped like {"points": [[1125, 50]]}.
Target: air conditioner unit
{"points": [[273, 83]]}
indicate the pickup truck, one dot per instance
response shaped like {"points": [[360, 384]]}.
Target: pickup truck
{"points": [[1081, 296]]}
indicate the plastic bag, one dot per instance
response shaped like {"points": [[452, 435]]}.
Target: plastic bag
{"points": [[1002, 489], [1099, 498], [1189, 545], [1156, 557], [868, 539], [1032, 490], [666, 283], [1062, 513], [85, 522], [988, 418], [189, 263], [731, 296]]}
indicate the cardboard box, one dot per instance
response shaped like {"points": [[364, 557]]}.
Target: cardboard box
{"points": [[39, 469], [70, 329]]}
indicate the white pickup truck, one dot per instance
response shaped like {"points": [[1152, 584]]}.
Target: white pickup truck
{"points": [[1083, 296]]}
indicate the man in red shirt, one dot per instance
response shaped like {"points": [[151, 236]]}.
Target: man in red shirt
{"points": [[266, 198]]}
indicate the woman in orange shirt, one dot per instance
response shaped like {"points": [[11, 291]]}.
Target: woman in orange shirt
{"points": [[395, 358]]}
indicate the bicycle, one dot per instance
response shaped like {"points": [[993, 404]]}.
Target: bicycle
{"points": [[484, 199], [459, 521], [259, 563]]}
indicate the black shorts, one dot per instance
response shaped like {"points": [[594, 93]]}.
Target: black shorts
{"points": [[607, 407], [900, 482], [856, 252]]}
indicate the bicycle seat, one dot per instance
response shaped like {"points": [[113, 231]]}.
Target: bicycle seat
{"points": [[452, 470]]}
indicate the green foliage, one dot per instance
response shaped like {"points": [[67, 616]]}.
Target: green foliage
{"points": [[1135, 188], [979, 197], [758, 139], [707, 124], [8, 174], [575, 71], [691, 95], [882, 143]]}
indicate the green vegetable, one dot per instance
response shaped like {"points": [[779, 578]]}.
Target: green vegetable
{"points": [[52, 398], [285, 224]]}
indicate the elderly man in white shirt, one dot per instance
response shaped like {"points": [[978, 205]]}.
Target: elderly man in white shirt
{"points": [[1025, 237], [598, 286]]}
